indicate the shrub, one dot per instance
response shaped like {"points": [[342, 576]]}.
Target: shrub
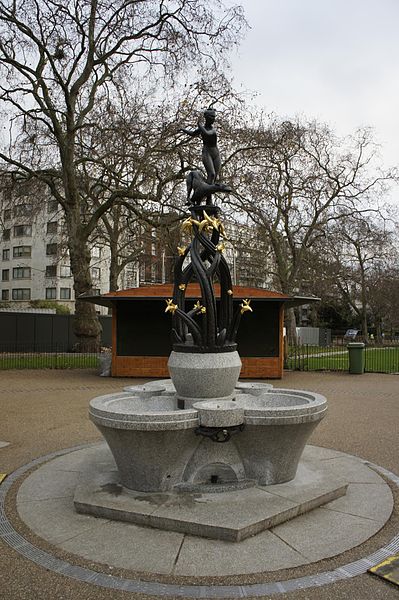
{"points": [[60, 309]]}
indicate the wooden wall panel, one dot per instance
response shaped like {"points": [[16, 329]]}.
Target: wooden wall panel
{"points": [[253, 367], [140, 366], [261, 368], [156, 366]]}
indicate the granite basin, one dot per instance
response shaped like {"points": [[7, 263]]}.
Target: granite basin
{"points": [[158, 446]]}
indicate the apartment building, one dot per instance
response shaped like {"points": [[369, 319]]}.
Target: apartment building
{"points": [[245, 252], [34, 260]]}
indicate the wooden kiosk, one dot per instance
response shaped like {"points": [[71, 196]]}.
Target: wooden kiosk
{"points": [[141, 330]]}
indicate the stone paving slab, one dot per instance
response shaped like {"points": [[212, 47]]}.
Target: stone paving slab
{"points": [[227, 516], [42, 486], [368, 500], [264, 551], [131, 546], [103, 492], [76, 461], [324, 533], [313, 477], [321, 453], [55, 520], [321, 533], [350, 466]]}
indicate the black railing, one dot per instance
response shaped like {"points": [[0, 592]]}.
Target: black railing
{"points": [[378, 359], [20, 356], [317, 358], [381, 359]]}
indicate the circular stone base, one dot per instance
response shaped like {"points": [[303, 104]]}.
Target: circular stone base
{"points": [[45, 504]]}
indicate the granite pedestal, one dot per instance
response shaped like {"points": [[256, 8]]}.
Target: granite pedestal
{"points": [[215, 511]]}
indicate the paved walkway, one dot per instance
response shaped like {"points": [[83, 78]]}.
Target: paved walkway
{"points": [[44, 411]]}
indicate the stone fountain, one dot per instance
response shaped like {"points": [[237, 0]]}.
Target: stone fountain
{"points": [[207, 451]]}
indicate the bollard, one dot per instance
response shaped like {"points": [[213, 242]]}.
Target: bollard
{"points": [[356, 358]]}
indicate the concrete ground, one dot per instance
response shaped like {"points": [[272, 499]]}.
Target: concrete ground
{"points": [[44, 411]]}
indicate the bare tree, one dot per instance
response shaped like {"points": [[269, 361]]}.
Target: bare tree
{"points": [[295, 179], [59, 61], [383, 298], [137, 153], [131, 157], [360, 249]]}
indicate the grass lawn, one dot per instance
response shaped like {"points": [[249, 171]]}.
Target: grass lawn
{"points": [[48, 361], [377, 360], [382, 360], [311, 358]]}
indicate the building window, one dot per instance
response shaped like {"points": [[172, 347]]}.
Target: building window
{"points": [[22, 210], [52, 227], [97, 292], [6, 254], [21, 294], [142, 272], [153, 272], [5, 275], [51, 249], [22, 230], [65, 271], [21, 273], [52, 206], [65, 293], [5, 294], [95, 272], [96, 252], [51, 293], [19, 251], [7, 214], [6, 234], [51, 271]]}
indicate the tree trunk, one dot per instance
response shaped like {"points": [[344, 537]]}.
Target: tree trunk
{"points": [[86, 325], [365, 332], [113, 268], [290, 325], [378, 332], [114, 271]]}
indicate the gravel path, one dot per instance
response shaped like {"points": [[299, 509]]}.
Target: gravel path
{"points": [[44, 411]]}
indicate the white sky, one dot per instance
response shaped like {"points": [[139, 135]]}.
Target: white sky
{"points": [[336, 60]]}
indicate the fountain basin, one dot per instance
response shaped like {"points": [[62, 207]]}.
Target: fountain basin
{"points": [[150, 439], [213, 413], [160, 447]]}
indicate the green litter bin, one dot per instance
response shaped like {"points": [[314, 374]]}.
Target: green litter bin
{"points": [[356, 358]]}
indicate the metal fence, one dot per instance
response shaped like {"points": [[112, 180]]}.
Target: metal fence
{"points": [[378, 359], [35, 332], [20, 356], [383, 359]]}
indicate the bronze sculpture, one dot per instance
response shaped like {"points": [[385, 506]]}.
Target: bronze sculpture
{"points": [[207, 326], [210, 151], [200, 189]]}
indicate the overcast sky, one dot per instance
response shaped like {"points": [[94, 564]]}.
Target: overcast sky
{"points": [[335, 60]]}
